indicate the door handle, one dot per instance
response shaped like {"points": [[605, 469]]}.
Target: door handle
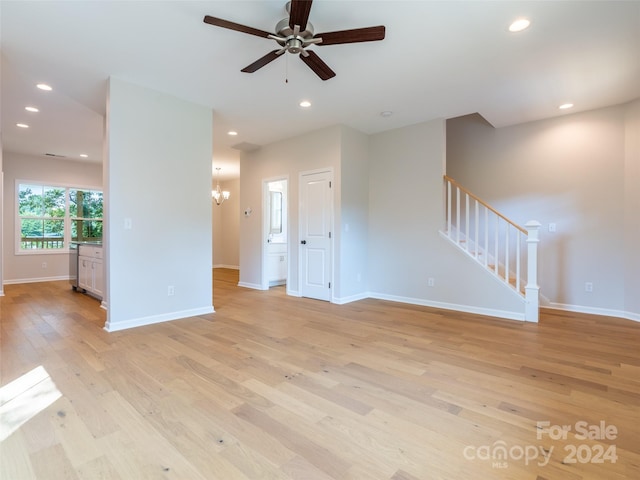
{"points": [[303, 242]]}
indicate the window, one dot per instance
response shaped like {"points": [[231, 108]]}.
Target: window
{"points": [[85, 210], [50, 217]]}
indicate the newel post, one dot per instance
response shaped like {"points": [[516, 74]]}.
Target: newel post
{"points": [[532, 290]]}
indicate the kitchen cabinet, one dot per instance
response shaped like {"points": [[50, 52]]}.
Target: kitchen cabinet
{"points": [[91, 269]]}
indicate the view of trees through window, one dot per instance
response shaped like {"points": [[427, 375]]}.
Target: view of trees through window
{"points": [[51, 216]]}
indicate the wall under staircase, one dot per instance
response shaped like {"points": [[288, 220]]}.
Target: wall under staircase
{"points": [[506, 250]]}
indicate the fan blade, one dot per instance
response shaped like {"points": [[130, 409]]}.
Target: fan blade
{"points": [[219, 22], [261, 62], [316, 64], [299, 13], [367, 34]]}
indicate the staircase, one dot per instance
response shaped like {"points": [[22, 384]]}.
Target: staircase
{"points": [[504, 248]]}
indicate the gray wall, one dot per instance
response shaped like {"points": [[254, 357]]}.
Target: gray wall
{"points": [[21, 268], [388, 190], [315, 150], [405, 217], [576, 171], [632, 209], [158, 175], [352, 220]]}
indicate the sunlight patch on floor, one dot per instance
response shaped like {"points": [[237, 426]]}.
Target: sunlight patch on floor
{"points": [[24, 398]]}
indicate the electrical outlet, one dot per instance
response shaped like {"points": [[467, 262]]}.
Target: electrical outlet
{"points": [[171, 290], [431, 281], [44, 264], [588, 287]]}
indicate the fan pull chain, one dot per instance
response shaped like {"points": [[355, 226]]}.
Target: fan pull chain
{"points": [[286, 68]]}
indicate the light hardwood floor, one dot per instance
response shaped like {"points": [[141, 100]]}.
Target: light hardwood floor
{"points": [[276, 387]]}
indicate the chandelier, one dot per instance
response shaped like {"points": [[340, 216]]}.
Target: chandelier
{"points": [[218, 194]]}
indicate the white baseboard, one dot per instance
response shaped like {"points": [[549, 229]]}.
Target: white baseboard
{"points": [[254, 286], [232, 267], [450, 306], [165, 317], [349, 299], [607, 312], [16, 281]]}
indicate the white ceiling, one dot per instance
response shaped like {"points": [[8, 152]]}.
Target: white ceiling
{"points": [[438, 60]]}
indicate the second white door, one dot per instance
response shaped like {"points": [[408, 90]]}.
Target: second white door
{"points": [[315, 235]]}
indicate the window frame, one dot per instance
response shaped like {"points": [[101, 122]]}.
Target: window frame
{"points": [[67, 219]]}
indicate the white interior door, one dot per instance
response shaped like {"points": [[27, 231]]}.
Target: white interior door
{"points": [[315, 235]]}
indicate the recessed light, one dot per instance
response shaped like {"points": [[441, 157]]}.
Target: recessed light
{"points": [[84, 155], [519, 25], [305, 104], [233, 133], [44, 86], [31, 109], [386, 113], [564, 106], [22, 125]]}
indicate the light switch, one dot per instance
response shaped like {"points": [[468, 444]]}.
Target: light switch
{"points": [[552, 227], [127, 224]]}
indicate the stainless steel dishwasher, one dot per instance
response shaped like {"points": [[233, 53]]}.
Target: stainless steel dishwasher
{"points": [[73, 265]]}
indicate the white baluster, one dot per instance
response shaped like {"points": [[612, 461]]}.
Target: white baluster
{"points": [[476, 247], [506, 253], [486, 236], [449, 226], [496, 258], [458, 215], [518, 240], [466, 221]]}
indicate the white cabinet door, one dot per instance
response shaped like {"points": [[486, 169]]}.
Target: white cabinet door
{"points": [[84, 273], [91, 270], [98, 273]]}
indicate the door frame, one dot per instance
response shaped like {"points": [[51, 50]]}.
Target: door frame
{"points": [[264, 235], [332, 216]]}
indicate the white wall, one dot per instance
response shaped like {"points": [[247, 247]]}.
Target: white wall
{"points": [[352, 220], [632, 209], [158, 175], [317, 149], [226, 227], [1, 219], [23, 268], [569, 171], [405, 247]]}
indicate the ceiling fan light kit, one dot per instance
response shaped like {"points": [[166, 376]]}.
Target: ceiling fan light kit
{"points": [[295, 33]]}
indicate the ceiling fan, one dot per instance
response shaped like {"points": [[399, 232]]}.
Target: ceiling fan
{"points": [[295, 34]]}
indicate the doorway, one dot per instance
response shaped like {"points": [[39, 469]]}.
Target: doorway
{"points": [[275, 221]]}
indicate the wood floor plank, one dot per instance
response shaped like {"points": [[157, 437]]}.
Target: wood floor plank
{"points": [[287, 388]]}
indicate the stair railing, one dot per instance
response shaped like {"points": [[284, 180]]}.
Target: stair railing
{"points": [[507, 250]]}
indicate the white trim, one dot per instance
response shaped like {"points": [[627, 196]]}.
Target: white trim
{"points": [[450, 306], [254, 286], [349, 299], [265, 227], [16, 281], [293, 293], [165, 317], [607, 312], [232, 267]]}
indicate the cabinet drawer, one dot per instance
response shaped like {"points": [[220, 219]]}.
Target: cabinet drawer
{"points": [[90, 251]]}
